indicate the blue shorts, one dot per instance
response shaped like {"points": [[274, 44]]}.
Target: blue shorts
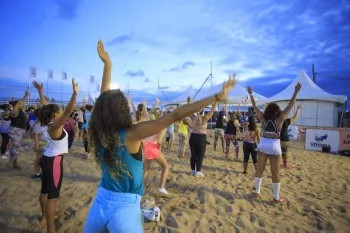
{"points": [[115, 212]]}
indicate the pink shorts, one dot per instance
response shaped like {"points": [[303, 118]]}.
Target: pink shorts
{"points": [[151, 150]]}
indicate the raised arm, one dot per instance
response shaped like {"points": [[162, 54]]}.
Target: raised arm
{"points": [[148, 128], [287, 110], [55, 129], [26, 94], [210, 114], [145, 111], [239, 114], [132, 105], [257, 110], [107, 69], [293, 119], [40, 88], [155, 105]]}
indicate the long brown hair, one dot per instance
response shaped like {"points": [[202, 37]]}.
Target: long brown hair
{"points": [[139, 112]]}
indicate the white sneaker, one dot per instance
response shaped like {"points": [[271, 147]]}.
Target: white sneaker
{"points": [[163, 191], [4, 157], [193, 173], [7, 153], [199, 174]]}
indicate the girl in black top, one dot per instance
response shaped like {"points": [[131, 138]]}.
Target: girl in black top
{"points": [[231, 133], [285, 137], [219, 130]]}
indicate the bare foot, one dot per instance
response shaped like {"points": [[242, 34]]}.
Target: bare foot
{"points": [[42, 220]]}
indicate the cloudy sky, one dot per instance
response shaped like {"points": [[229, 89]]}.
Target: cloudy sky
{"points": [[266, 42]]}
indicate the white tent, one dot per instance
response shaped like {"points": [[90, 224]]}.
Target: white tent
{"points": [[190, 91], [238, 95], [318, 106]]}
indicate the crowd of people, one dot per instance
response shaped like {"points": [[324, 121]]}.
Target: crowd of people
{"points": [[124, 143]]}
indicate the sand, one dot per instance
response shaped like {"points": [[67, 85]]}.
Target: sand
{"points": [[317, 190]]}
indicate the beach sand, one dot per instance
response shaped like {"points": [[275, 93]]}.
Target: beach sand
{"points": [[317, 189]]}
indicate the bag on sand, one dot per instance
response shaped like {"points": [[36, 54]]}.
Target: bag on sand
{"points": [[152, 214]]}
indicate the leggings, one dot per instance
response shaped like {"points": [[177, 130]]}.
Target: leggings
{"points": [[70, 138], [16, 135], [182, 144], [231, 138], [198, 145], [284, 148], [5, 142], [249, 149]]}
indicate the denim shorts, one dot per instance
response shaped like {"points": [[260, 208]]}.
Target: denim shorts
{"points": [[115, 212]]}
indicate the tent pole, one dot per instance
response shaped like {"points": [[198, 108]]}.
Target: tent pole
{"points": [[317, 113]]}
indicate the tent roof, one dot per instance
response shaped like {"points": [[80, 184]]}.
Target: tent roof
{"points": [[309, 91], [190, 91], [238, 95]]}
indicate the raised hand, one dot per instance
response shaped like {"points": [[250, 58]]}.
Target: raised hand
{"points": [[102, 53], [75, 86], [157, 100], [250, 90], [39, 87], [298, 87], [226, 88], [299, 106]]}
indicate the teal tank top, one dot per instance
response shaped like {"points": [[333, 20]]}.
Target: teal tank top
{"points": [[132, 183]]}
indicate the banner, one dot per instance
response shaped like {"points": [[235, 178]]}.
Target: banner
{"points": [[318, 138], [97, 87], [64, 76], [344, 139], [32, 72], [92, 79], [50, 74]]}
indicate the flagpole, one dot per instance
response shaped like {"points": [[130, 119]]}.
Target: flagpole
{"points": [[29, 91], [62, 91]]}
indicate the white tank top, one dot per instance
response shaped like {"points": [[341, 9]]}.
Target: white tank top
{"points": [[56, 147]]}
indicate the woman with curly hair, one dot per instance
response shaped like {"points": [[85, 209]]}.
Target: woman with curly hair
{"points": [[116, 145], [270, 145], [152, 151]]}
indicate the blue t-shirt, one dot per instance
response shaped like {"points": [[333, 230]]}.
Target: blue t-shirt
{"points": [[32, 117], [132, 183], [87, 115]]}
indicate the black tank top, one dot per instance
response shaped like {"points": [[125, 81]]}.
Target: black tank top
{"points": [[271, 126], [219, 125], [20, 121], [284, 132], [230, 128]]}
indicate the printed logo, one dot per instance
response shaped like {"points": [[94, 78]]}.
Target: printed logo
{"points": [[321, 138]]}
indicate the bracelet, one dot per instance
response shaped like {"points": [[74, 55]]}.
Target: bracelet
{"points": [[216, 97]]}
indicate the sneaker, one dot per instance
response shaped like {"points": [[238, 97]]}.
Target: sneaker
{"points": [[280, 201], [193, 173], [4, 157], [199, 174], [7, 153], [163, 191], [35, 176]]}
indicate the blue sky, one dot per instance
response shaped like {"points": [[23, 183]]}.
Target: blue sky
{"points": [[266, 42]]}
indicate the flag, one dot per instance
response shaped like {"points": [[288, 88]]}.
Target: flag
{"points": [[64, 75], [92, 79], [50, 74], [32, 72], [98, 87]]}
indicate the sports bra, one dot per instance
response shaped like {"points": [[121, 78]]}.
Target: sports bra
{"points": [[270, 129]]}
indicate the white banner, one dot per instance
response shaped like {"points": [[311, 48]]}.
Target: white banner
{"points": [[64, 76], [317, 138], [293, 132], [50, 74], [32, 72]]}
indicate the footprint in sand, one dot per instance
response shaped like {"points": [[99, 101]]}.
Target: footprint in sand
{"points": [[87, 202], [69, 214]]}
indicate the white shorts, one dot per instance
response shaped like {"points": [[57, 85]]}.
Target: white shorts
{"points": [[270, 146], [31, 123]]}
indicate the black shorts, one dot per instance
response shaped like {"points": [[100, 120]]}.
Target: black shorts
{"points": [[80, 124], [52, 175]]}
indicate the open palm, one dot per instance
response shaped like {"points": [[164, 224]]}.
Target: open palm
{"points": [[102, 53]]}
